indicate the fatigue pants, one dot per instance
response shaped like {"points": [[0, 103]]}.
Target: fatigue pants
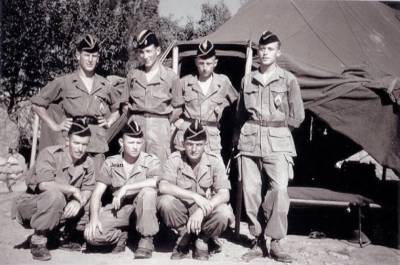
{"points": [[275, 203], [157, 135], [43, 212], [145, 214], [175, 214]]}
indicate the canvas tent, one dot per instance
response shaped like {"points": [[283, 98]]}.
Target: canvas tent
{"points": [[345, 54]]}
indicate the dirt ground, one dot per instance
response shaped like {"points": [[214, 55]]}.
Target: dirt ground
{"points": [[327, 251]]}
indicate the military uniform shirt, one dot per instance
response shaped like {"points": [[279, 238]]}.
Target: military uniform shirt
{"points": [[112, 172], [208, 177], [75, 100], [55, 164], [277, 100], [157, 96]]}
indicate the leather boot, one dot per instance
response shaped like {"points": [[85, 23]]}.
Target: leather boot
{"points": [[278, 253]]}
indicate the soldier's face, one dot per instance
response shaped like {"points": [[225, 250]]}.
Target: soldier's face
{"points": [[205, 67], [77, 146], [131, 145], [194, 149], [269, 53], [88, 60], [148, 56]]}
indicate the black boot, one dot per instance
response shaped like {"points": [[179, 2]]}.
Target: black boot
{"points": [[258, 249], [39, 250], [72, 240]]}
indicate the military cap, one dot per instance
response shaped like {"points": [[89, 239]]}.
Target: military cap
{"points": [[195, 132], [205, 50], [268, 37], [146, 38], [88, 43], [132, 129], [79, 127]]}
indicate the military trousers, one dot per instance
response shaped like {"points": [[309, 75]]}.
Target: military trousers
{"points": [[175, 213], [140, 210], [265, 181], [44, 211]]}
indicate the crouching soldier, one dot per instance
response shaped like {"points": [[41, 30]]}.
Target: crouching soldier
{"points": [[132, 177], [195, 193], [58, 191]]}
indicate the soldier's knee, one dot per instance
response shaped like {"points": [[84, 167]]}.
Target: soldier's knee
{"points": [[149, 192], [223, 213], [54, 197], [165, 203]]}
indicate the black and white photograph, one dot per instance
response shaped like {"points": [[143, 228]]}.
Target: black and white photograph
{"points": [[200, 132]]}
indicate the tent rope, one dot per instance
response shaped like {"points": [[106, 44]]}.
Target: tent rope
{"points": [[314, 31]]}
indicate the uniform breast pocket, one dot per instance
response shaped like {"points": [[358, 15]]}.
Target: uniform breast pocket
{"points": [[279, 95], [160, 95], [184, 183], [250, 98], [248, 138], [189, 97], [281, 140], [137, 91]]}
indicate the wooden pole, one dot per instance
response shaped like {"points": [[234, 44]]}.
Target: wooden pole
{"points": [[35, 130], [175, 59], [239, 192]]}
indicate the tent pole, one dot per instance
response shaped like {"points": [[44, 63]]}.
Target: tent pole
{"points": [[34, 140], [175, 57], [239, 192]]}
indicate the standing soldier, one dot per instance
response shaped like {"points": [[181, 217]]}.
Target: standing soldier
{"points": [[83, 95], [151, 96], [206, 95], [132, 177], [195, 193], [272, 103], [59, 188]]}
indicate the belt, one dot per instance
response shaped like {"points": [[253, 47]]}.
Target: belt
{"points": [[86, 119], [269, 123], [203, 122], [148, 114]]}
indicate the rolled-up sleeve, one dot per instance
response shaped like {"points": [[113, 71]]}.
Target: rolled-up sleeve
{"points": [[296, 107], [48, 94], [45, 167], [154, 168], [169, 171], [104, 175], [221, 180]]}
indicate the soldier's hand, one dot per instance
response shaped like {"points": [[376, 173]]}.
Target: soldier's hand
{"points": [[194, 223], [72, 209], [64, 125], [77, 195], [90, 229], [120, 194], [204, 204], [102, 122]]}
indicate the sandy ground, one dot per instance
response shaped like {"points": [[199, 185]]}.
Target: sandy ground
{"points": [[305, 250]]}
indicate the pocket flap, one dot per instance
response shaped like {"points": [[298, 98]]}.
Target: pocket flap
{"points": [[279, 89], [279, 132], [218, 100], [249, 130]]}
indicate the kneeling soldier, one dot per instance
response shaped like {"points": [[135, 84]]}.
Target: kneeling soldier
{"points": [[58, 191], [195, 193], [132, 177]]}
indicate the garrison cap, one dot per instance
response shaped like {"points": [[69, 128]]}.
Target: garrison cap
{"points": [[88, 43], [146, 38], [132, 129], [80, 128], [195, 132], [268, 37], [205, 50]]}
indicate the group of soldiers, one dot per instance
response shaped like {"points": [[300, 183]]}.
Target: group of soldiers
{"points": [[188, 189]]}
